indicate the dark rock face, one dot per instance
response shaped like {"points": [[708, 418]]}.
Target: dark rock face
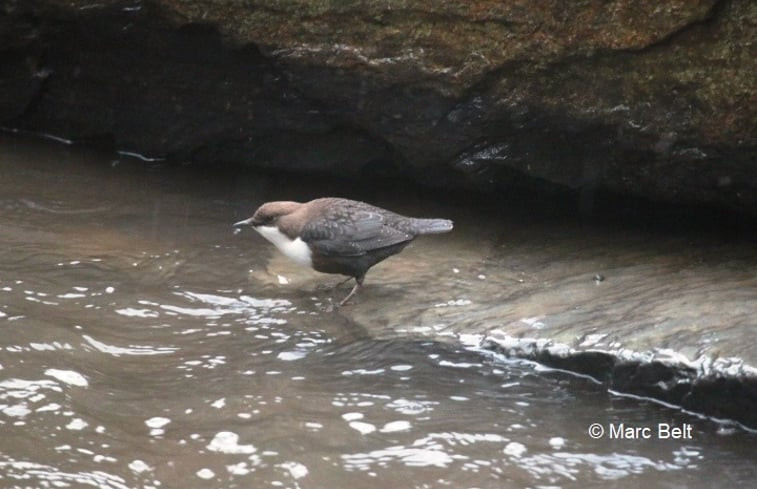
{"points": [[129, 77], [641, 98]]}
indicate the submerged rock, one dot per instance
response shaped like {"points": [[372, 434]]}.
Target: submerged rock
{"points": [[631, 97]]}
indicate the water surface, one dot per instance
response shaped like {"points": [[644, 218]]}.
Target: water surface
{"points": [[147, 345]]}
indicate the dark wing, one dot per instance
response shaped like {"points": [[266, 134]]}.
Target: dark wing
{"points": [[354, 234]]}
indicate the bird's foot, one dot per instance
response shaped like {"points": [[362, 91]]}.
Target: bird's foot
{"points": [[358, 284], [345, 301]]}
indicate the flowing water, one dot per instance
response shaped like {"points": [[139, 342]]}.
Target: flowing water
{"points": [[145, 344]]}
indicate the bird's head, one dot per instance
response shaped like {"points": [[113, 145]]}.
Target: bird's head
{"points": [[269, 213]]}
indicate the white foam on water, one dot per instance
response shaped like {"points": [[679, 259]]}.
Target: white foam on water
{"points": [[68, 376], [48, 407], [77, 424], [394, 426], [352, 416], [157, 422], [557, 442], [296, 469], [138, 466], [137, 312], [362, 427], [515, 449], [17, 411], [289, 356], [238, 469], [228, 442]]}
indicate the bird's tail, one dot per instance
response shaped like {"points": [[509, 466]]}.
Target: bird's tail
{"points": [[432, 226]]}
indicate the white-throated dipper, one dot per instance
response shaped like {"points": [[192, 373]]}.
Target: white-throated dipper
{"points": [[333, 235]]}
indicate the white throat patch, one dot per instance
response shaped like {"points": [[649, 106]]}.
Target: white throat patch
{"points": [[295, 249]]}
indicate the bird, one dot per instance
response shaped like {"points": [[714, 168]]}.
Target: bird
{"points": [[339, 236]]}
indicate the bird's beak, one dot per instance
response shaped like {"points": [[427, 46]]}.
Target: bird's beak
{"points": [[246, 222]]}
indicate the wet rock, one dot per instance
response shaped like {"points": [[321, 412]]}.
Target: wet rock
{"points": [[711, 390], [636, 98]]}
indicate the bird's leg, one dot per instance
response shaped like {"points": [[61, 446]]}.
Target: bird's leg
{"points": [[343, 282], [358, 284], [333, 287]]}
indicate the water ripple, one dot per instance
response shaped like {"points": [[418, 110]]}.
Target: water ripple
{"points": [[47, 475], [130, 350]]}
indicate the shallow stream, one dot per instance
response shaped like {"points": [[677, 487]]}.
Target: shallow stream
{"points": [[145, 344]]}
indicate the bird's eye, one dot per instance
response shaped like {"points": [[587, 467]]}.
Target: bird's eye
{"points": [[270, 220]]}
